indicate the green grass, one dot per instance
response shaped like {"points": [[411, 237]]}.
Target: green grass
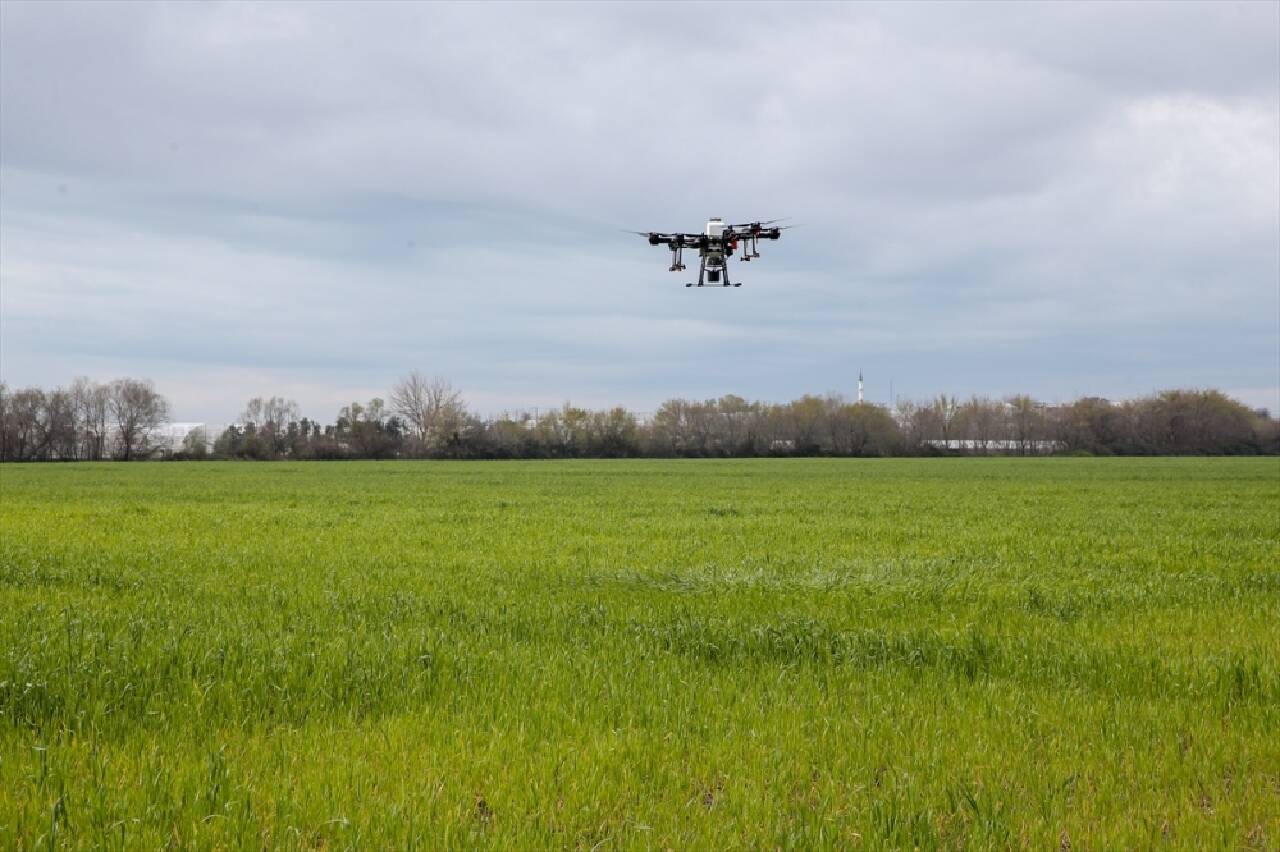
{"points": [[675, 654]]}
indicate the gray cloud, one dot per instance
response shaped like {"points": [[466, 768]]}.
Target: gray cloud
{"points": [[238, 199]]}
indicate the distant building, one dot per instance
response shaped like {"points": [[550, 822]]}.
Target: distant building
{"points": [[1000, 446], [168, 439]]}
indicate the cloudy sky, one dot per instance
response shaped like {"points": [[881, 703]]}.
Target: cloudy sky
{"points": [[310, 200]]}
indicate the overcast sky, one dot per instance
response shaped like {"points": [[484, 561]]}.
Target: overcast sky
{"points": [[309, 200]]}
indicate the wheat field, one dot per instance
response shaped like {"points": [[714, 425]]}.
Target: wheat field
{"points": [[746, 654]]}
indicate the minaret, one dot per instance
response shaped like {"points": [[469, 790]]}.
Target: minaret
{"points": [[859, 386]]}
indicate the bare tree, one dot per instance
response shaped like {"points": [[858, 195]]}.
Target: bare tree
{"points": [[432, 408], [575, 426], [861, 429], [137, 410], [981, 421], [509, 437], [1026, 423], [23, 431], [93, 411], [774, 429], [805, 422], [1093, 425], [271, 418], [1191, 421], [58, 425], [5, 418], [367, 430], [945, 409], [613, 433], [549, 433], [911, 422], [735, 423], [671, 431]]}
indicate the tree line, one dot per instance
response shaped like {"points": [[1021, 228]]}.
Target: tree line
{"points": [[427, 418], [86, 421]]}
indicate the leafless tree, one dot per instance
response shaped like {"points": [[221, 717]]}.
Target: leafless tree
{"points": [[702, 432], [774, 434], [676, 428], [1092, 424], [1026, 422], [861, 429], [805, 420], [735, 422], [509, 437], [271, 418], [137, 410], [980, 420], [907, 414], [838, 424], [548, 432], [367, 430], [91, 401], [613, 433], [58, 426], [23, 432], [575, 425], [1191, 421], [5, 415], [945, 409], [431, 408]]}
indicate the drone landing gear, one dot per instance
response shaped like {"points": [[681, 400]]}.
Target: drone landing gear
{"points": [[711, 277], [677, 261], [702, 269]]}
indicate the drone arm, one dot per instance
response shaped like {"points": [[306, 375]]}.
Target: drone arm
{"points": [[658, 238]]}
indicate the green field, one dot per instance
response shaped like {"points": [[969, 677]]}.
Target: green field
{"points": [[653, 654]]}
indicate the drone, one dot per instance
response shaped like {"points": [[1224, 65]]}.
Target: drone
{"points": [[715, 246]]}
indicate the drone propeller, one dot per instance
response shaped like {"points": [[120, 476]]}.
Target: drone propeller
{"points": [[761, 224]]}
